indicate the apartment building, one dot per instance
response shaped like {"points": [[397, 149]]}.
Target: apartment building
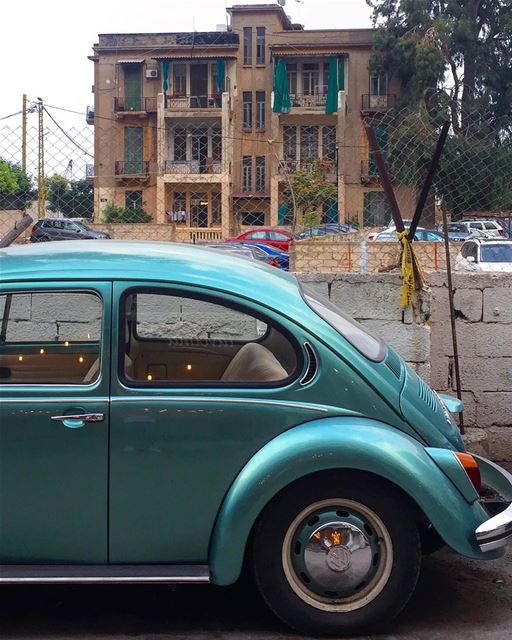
{"points": [[207, 129]]}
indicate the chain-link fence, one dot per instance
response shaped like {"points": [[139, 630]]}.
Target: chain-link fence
{"points": [[180, 170]]}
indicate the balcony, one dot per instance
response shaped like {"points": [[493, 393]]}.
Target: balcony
{"points": [[289, 167], [132, 170], [89, 114], [377, 104], [193, 167], [180, 102], [134, 106], [314, 101], [369, 173]]}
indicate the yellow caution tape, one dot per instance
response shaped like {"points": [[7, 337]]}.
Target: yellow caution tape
{"points": [[410, 268]]}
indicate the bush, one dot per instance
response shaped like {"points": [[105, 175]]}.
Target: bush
{"points": [[119, 215]]}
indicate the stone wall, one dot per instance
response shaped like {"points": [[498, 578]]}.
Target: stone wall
{"points": [[159, 232], [334, 254], [483, 304]]}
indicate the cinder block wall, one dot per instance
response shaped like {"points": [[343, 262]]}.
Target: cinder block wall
{"points": [[483, 304]]}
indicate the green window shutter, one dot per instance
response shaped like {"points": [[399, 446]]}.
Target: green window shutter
{"points": [[132, 86], [133, 150], [331, 103], [381, 133], [282, 214], [282, 103]]}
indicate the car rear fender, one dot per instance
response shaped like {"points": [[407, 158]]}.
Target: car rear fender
{"points": [[340, 443]]}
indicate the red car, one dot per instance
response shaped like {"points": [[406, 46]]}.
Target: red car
{"points": [[266, 235]]}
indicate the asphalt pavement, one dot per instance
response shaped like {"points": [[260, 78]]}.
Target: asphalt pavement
{"points": [[456, 598]]}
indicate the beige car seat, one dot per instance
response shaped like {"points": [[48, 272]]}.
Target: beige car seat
{"points": [[254, 363]]}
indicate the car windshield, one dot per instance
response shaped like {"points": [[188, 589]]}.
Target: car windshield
{"points": [[371, 347], [457, 228], [496, 253]]}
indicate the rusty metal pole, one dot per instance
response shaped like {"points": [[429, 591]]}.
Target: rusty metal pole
{"points": [[24, 134], [452, 316]]}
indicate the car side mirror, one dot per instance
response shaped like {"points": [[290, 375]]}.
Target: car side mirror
{"points": [[471, 259]]}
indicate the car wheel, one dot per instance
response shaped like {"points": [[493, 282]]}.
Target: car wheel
{"points": [[44, 239], [337, 554]]}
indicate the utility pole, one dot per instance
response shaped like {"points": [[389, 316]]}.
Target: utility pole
{"points": [[41, 184], [24, 134]]}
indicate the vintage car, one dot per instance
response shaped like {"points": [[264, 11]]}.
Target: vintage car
{"points": [[174, 414]]}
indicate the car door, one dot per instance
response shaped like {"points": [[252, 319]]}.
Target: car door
{"points": [[177, 439], [54, 422]]}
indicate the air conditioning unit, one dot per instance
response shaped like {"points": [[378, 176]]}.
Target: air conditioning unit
{"points": [[151, 74]]}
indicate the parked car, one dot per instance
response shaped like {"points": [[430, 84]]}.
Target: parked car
{"points": [[427, 235], [63, 229], [489, 227], [485, 254], [457, 232], [279, 238], [248, 250], [166, 421], [281, 257], [325, 229]]}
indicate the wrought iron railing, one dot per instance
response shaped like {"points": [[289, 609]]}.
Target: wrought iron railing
{"points": [[138, 105], [193, 166], [179, 102], [315, 101], [370, 102], [135, 168]]}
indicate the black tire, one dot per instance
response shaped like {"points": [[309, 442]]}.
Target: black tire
{"points": [[395, 565]]}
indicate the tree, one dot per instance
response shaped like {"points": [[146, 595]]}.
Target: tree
{"points": [[459, 47], [310, 189], [74, 199], [15, 186]]}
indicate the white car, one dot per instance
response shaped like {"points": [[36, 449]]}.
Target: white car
{"points": [[483, 254], [477, 227]]}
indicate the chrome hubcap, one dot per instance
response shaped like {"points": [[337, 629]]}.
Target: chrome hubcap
{"points": [[337, 555]]}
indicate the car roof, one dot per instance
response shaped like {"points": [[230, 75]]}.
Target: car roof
{"points": [[283, 231], [150, 262]]}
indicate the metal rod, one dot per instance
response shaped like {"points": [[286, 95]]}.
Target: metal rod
{"points": [[385, 178], [24, 134], [452, 316], [41, 183], [428, 180]]}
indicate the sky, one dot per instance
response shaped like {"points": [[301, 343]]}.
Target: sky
{"points": [[45, 44]]}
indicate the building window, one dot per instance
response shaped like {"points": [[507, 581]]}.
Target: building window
{"points": [[291, 70], [216, 207], [247, 173], [217, 144], [198, 209], [247, 110], [252, 219], [290, 142], [329, 143], [310, 79], [179, 87], [260, 110], [180, 144], [133, 150], [247, 45], [378, 84], [133, 200], [260, 174], [260, 45], [308, 144], [376, 211]]}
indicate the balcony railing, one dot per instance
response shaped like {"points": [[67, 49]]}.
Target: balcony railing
{"points": [[193, 166], [89, 172], [314, 101], [292, 166], [132, 169], [89, 114], [369, 172], [178, 102], [135, 105], [377, 104]]}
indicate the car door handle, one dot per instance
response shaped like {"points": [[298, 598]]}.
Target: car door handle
{"points": [[77, 420]]}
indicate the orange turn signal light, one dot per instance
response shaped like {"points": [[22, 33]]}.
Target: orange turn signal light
{"points": [[470, 466]]}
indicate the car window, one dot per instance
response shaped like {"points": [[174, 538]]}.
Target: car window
{"points": [[50, 337], [475, 225], [459, 228], [256, 235], [372, 348], [490, 225], [71, 226], [281, 237], [172, 338], [496, 252]]}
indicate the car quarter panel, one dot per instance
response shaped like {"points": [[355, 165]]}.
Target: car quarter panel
{"points": [[345, 443]]}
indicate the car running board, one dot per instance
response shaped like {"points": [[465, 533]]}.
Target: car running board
{"points": [[99, 574]]}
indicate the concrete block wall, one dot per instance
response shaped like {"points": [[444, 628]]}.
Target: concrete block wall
{"points": [[483, 304]]}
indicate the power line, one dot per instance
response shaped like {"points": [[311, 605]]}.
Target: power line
{"points": [[11, 115], [66, 134]]}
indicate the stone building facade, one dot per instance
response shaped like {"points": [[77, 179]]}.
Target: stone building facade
{"points": [[193, 127]]}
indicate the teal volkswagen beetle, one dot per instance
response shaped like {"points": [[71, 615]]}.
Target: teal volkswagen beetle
{"points": [[173, 414]]}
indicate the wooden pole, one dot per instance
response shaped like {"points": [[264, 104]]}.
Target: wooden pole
{"points": [[41, 183]]}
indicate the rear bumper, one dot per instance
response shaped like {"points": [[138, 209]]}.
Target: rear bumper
{"points": [[496, 532]]}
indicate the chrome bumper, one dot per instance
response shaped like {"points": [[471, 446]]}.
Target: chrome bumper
{"points": [[497, 531]]}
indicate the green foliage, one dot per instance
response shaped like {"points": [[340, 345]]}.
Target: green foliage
{"points": [[15, 186], [311, 189], [72, 199], [118, 215], [460, 48], [310, 218]]}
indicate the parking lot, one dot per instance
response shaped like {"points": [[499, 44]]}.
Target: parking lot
{"points": [[456, 599]]}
